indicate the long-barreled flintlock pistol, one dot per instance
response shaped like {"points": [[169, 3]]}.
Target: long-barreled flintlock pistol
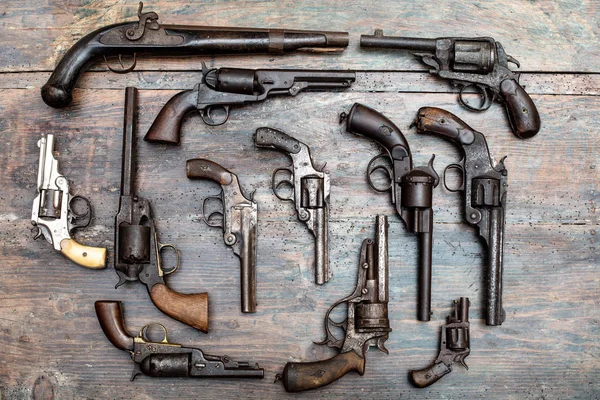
{"points": [[484, 184], [147, 36], [310, 191], [478, 62], [165, 359], [411, 188], [55, 212], [366, 324], [222, 88], [137, 249], [237, 215], [454, 347]]}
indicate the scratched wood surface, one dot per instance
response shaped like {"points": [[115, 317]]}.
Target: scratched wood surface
{"points": [[51, 345]]}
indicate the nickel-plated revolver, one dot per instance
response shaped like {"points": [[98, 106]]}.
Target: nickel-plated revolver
{"points": [[54, 215], [165, 359], [454, 347], [484, 184], [310, 188], [237, 215], [411, 188], [366, 324]]}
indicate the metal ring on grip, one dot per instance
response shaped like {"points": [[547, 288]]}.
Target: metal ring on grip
{"points": [[168, 271], [208, 219], [208, 117], [144, 330], [372, 168], [462, 172], [276, 184], [486, 102]]}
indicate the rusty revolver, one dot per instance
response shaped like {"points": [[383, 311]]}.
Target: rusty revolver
{"points": [[411, 188], [366, 324], [310, 195], [237, 215], [484, 185]]}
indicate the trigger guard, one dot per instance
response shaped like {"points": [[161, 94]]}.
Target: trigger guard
{"points": [[276, 184], [168, 271], [462, 172], [208, 218], [371, 169], [144, 329], [485, 104], [88, 207], [208, 118]]}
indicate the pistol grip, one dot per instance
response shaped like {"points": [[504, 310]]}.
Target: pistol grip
{"points": [[430, 375], [86, 256], [522, 113], [191, 309], [110, 316], [166, 128], [297, 377]]}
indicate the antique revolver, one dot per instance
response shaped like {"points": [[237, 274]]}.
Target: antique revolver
{"points": [[149, 37], [222, 88], [481, 63], [237, 215], [164, 359], [137, 249], [54, 213], [310, 188], [454, 347], [484, 184], [411, 188], [366, 325]]}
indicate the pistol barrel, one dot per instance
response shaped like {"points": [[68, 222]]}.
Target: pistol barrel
{"points": [[321, 245], [397, 42]]}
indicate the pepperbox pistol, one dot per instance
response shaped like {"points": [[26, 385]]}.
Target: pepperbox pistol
{"points": [[480, 63], [165, 359], [222, 88], [310, 191], [147, 36], [54, 212], [366, 324], [454, 347], [484, 185], [237, 215], [411, 188], [137, 249]]}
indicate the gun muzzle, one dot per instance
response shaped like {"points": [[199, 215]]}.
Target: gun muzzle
{"points": [[397, 42]]}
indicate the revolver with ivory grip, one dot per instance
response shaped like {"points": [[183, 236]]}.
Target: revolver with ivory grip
{"points": [[222, 88], [237, 215], [479, 62], [165, 359], [137, 249], [310, 195], [411, 188], [54, 215], [366, 324], [484, 184], [148, 36], [454, 347]]}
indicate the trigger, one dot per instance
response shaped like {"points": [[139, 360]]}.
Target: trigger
{"points": [[513, 60], [381, 344], [38, 234]]}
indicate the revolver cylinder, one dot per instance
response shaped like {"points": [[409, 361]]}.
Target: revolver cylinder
{"points": [[134, 244], [477, 56]]}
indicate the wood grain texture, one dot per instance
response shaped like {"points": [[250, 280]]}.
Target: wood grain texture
{"points": [[549, 347]]}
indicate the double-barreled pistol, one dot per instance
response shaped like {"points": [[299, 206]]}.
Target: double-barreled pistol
{"points": [[310, 191], [56, 212]]}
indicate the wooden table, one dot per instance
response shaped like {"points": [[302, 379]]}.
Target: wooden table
{"points": [[548, 348]]}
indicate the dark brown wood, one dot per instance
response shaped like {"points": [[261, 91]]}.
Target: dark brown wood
{"points": [[110, 317], [189, 308]]}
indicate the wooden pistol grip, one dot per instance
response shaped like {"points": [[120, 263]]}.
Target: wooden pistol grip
{"points": [[200, 168], [166, 128], [522, 113], [86, 256], [430, 375], [111, 321], [297, 377], [368, 122], [445, 124], [191, 309]]}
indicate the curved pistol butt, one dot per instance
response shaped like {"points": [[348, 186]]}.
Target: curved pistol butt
{"points": [[430, 375], [201, 168], [110, 316], [191, 309], [444, 123], [522, 112], [86, 256], [166, 128]]}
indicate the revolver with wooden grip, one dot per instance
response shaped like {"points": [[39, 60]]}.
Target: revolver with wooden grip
{"points": [[137, 249], [165, 359], [310, 191], [411, 188], [480, 63], [237, 215], [484, 184], [454, 347], [222, 88], [366, 324], [148, 36], [54, 211]]}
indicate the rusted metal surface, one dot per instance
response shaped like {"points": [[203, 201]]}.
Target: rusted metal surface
{"points": [[484, 185], [310, 191]]}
